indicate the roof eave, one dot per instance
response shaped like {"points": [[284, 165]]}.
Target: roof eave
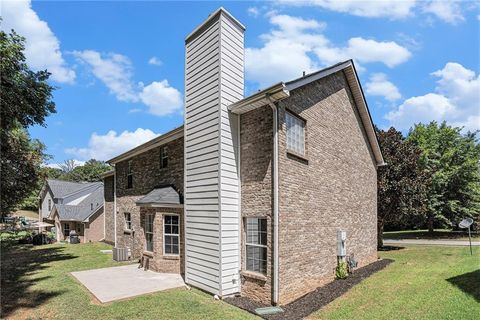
{"points": [[155, 142], [159, 205], [273, 93]]}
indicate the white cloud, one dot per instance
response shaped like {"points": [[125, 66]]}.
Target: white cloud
{"points": [[155, 61], [76, 162], [295, 45], [394, 9], [42, 48], [366, 51], [116, 72], [456, 99], [113, 69], [104, 147], [253, 11], [378, 85], [161, 98], [448, 11]]}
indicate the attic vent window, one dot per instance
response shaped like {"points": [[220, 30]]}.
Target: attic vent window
{"points": [[91, 206], [295, 133], [163, 157]]}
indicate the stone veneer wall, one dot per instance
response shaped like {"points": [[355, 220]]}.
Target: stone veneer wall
{"points": [[256, 178], [147, 175], [108, 210], [334, 186]]}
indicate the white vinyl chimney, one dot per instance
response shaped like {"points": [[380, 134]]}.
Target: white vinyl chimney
{"points": [[214, 79]]}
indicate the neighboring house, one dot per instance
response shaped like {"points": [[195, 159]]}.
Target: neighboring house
{"points": [[73, 206], [249, 195]]}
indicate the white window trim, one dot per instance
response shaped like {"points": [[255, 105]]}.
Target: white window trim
{"points": [[254, 245], [163, 155], [126, 224], [171, 234], [148, 232], [65, 229], [304, 133]]}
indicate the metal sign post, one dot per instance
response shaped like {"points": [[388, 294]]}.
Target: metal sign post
{"points": [[464, 224]]}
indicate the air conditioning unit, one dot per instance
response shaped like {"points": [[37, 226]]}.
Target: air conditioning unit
{"points": [[120, 254]]}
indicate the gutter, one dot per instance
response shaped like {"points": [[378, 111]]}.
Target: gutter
{"points": [[275, 199]]}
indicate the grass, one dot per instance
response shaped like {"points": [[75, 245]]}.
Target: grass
{"points": [[437, 234], [424, 282], [36, 284]]}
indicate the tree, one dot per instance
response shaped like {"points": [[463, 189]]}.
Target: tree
{"points": [[26, 99], [67, 166], [401, 183], [90, 171], [19, 166], [452, 159]]}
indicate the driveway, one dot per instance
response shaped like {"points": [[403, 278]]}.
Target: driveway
{"points": [[110, 284], [430, 242]]}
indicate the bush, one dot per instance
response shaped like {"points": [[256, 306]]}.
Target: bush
{"points": [[341, 271]]}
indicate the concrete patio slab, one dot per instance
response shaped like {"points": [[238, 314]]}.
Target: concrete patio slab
{"points": [[110, 284]]}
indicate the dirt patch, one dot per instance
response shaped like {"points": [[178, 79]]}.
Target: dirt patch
{"points": [[314, 300]]}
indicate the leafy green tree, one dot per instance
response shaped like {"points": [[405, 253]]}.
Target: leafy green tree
{"points": [[31, 202], [401, 183], [90, 171], [452, 159], [26, 99]]}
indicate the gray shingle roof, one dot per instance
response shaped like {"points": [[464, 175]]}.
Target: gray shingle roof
{"points": [[83, 209], [161, 196], [62, 188]]}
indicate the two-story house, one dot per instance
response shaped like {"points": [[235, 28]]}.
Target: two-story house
{"points": [[248, 196], [73, 206]]}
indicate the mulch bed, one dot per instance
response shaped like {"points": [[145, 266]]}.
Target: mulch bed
{"points": [[314, 300]]}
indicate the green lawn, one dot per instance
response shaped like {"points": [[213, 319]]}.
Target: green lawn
{"points": [[26, 213], [437, 234], [36, 284], [424, 282]]}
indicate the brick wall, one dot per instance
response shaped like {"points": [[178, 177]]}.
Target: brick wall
{"points": [[94, 230], [160, 262], [333, 187], [147, 175], [256, 178], [108, 210]]}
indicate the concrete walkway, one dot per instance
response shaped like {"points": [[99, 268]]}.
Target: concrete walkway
{"points": [[110, 284], [460, 243]]}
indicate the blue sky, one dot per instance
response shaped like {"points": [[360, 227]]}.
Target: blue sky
{"points": [[118, 66]]}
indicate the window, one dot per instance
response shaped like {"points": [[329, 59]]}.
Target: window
{"points": [[171, 234], [128, 221], [66, 229], [295, 133], [49, 205], [91, 206], [163, 157], [129, 175], [149, 232], [256, 245]]}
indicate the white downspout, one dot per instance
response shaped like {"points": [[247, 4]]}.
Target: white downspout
{"points": [[275, 200], [115, 202]]}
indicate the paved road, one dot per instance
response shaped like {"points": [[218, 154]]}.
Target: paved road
{"points": [[430, 242]]}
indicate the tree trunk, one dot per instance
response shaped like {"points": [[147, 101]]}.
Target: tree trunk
{"points": [[430, 222], [380, 234]]}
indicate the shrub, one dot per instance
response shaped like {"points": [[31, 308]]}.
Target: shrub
{"points": [[341, 271]]}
